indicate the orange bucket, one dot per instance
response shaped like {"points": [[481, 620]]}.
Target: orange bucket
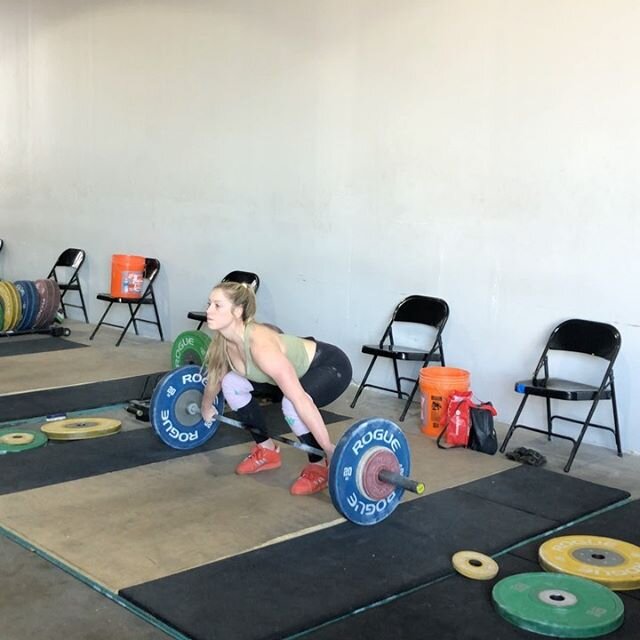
{"points": [[436, 386], [127, 274]]}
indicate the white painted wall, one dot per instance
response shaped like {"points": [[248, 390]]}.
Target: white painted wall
{"points": [[349, 152]]}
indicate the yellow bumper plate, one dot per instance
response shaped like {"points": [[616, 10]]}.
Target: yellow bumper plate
{"points": [[610, 562], [81, 428], [474, 565]]}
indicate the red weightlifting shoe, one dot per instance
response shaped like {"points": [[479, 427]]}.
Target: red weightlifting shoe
{"points": [[314, 478], [260, 459]]}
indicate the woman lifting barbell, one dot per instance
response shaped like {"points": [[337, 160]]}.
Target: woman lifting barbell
{"points": [[309, 373]]}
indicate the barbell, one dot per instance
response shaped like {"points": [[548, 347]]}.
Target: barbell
{"points": [[369, 469]]}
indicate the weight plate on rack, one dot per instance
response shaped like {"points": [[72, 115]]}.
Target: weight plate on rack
{"points": [[54, 302], [613, 563], [558, 605], [43, 303], [17, 302], [29, 301], [7, 305], [30, 284]]}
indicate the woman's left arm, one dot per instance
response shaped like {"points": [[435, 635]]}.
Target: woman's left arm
{"points": [[268, 355]]}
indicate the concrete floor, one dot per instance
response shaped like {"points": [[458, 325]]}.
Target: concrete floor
{"points": [[40, 600]]}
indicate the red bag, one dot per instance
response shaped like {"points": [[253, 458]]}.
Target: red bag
{"points": [[456, 420]]}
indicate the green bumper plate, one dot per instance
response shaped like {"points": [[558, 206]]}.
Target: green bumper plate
{"points": [[190, 347], [16, 440], [558, 605]]}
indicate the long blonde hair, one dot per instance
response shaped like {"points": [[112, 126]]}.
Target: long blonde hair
{"points": [[240, 295]]}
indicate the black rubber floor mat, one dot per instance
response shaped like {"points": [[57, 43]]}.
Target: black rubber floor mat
{"points": [[561, 497], [295, 585], [51, 464], [21, 347], [454, 609], [91, 395]]}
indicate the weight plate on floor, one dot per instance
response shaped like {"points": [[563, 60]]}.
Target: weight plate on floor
{"points": [[474, 565], [81, 428], [613, 563], [348, 469], [15, 440], [190, 347], [175, 409], [558, 605], [1, 311]]}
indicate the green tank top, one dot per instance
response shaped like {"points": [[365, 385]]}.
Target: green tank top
{"points": [[294, 351]]}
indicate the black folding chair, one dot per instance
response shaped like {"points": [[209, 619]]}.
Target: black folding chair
{"points": [[151, 270], [579, 336], [69, 264], [245, 277], [423, 310]]}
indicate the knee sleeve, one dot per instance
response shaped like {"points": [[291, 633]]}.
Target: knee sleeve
{"points": [[291, 417], [236, 390], [299, 428], [237, 393]]}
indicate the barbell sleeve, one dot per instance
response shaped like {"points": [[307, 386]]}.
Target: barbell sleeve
{"points": [[398, 480]]}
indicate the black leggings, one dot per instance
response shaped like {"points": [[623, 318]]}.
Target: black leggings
{"points": [[327, 378]]}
